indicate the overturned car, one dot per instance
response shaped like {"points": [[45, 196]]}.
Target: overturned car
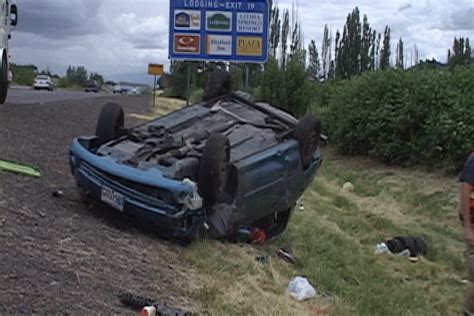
{"points": [[211, 168]]}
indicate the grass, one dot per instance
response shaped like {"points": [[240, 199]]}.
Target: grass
{"points": [[333, 240]]}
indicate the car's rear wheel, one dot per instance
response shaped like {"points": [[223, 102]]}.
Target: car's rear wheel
{"points": [[274, 224], [218, 84], [4, 80], [214, 168], [110, 123], [308, 133]]}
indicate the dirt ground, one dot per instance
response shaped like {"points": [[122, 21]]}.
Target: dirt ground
{"points": [[61, 255]]}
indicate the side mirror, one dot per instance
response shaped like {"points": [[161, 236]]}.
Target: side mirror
{"points": [[13, 15]]}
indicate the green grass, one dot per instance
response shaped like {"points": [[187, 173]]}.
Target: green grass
{"points": [[334, 238]]}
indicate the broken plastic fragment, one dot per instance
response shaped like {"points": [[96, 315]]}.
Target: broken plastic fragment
{"points": [[193, 202]]}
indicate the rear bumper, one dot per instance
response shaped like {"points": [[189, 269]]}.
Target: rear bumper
{"points": [[173, 219], [42, 86]]}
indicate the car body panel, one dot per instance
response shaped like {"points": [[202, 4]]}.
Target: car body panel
{"points": [[266, 174]]}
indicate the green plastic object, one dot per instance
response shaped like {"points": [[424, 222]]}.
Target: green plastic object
{"points": [[14, 167]]}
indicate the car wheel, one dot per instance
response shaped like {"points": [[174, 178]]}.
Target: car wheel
{"points": [[110, 123], [214, 168], [280, 223], [218, 84], [4, 80], [307, 133]]}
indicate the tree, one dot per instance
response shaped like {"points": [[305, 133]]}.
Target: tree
{"points": [[325, 51], [275, 29], [295, 39], [400, 58], [385, 53], [467, 52], [314, 66], [416, 55], [285, 30], [365, 56], [460, 53]]}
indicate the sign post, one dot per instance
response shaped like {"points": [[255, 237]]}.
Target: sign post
{"points": [[219, 30], [155, 70]]}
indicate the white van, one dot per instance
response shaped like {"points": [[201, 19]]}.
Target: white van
{"points": [[8, 20]]}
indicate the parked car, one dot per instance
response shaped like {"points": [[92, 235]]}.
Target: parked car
{"points": [[43, 82], [215, 167], [119, 89], [92, 87]]}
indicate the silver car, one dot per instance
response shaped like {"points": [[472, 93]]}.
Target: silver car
{"points": [[43, 82]]}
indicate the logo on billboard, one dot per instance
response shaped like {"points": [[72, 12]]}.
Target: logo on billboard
{"points": [[189, 20], [188, 44], [219, 45], [249, 22], [219, 21], [249, 46]]}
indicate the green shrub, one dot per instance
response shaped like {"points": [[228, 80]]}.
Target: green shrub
{"points": [[405, 117], [196, 96], [288, 88]]}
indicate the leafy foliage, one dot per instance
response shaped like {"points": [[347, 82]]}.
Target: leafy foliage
{"points": [[405, 117], [288, 87], [24, 74]]}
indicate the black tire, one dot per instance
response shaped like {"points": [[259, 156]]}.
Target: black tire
{"points": [[218, 84], [214, 169], [4, 79], [110, 123], [308, 133], [275, 225]]}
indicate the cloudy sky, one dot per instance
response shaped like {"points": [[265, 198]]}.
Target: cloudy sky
{"points": [[118, 38]]}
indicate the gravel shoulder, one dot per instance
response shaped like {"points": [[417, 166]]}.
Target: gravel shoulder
{"points": [[64, 255]]}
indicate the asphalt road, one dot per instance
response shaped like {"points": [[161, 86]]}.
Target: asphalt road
{"points": [[68, 255], [30, 96]]}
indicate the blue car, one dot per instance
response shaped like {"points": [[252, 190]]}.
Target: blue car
{"points": [[213, 168]]}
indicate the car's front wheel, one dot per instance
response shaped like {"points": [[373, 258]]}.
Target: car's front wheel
{"points": [[214, 168], [308, 133], [110, 123]]}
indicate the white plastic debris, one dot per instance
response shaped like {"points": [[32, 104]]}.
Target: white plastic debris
{"points": [[381, 248], [195, 202], [404, 253], [348, 187], [300, 289]]}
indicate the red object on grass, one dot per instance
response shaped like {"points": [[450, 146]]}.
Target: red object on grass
{"points": [[257, 236]]}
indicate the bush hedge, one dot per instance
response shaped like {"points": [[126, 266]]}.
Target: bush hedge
{"points": [[405, 117]]}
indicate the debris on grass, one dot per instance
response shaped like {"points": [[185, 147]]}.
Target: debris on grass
{"points": [[300, 289], [286, 256], [348, 187]]}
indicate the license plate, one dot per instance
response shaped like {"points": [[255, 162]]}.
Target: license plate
{"points": [[112, 198]]}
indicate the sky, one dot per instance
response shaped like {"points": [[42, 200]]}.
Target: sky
{"points": [[118, 38]]}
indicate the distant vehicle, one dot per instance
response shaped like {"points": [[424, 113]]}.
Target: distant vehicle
{"points": [[43, 82], [92, 87], [119, 89], [7, 23], [10, 76]]}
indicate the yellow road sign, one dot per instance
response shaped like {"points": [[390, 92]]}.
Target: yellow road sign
{"points": [[155, 69]]}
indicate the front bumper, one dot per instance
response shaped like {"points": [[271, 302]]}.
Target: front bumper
{"points": [[148, 196]]}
